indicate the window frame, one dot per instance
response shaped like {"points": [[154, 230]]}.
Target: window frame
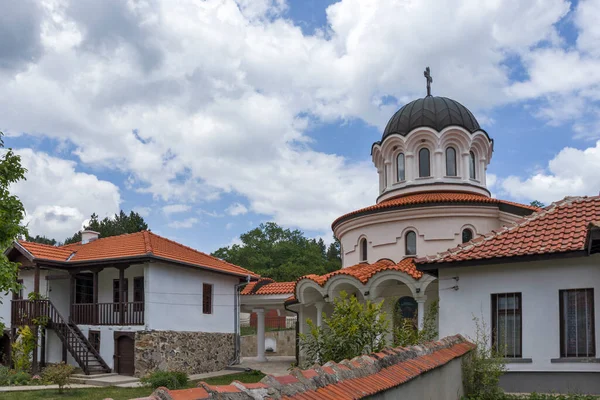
{"points": [[18, 295], [138, 296], [563, 351], [116, 290], [494, 309], [453, 159], [398, 178], [207, 306], [428, 162], [472, 165], [95, 342], [406, 253], [363, 249], [462, 234]]}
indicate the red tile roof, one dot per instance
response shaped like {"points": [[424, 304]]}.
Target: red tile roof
{"points": [[267, 286], [358, 378], [363, 272], [138, 244], [560, 227], [431, 198]]}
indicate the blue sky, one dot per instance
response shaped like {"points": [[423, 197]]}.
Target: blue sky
{"points": [[212, 117]]}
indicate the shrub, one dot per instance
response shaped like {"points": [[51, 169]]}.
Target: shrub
{"points": [[58, 374], [22, 349], [5, 374], [20, 378], [405, 333], [483, 367], [168, 379], [354, 328]]}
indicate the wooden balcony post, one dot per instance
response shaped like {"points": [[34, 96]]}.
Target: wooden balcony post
{"points": [[122, 295], [71, 293], [96, 315]]}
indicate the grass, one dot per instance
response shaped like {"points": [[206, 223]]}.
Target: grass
{"points": [[121, 393]]}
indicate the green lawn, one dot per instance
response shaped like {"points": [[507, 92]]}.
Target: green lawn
{"points": [[121, 393]]}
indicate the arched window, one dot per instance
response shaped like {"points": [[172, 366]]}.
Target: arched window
{"points": [[450, 161], [467, 235], [424, 163], [400, 167], [363, 249], [472, 165], [411, 243]]}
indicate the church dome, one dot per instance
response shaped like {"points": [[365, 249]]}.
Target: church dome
{"points": [[433, 112]]}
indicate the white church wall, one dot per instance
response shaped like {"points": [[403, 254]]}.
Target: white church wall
{"points": [[438, 229], [539, 284]]}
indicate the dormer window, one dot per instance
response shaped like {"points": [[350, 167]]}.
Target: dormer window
{"points": [[450, 161], [401, 167], [424, 165], [410, 243], [472, 174], [363, 250], [467, 235]]}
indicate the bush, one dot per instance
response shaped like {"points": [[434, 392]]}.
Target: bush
{"points": [[58, 374], [5, 374], [406, 333], [354, 328], [22, 349], [483, 367], [20, 378], [168, 379]]}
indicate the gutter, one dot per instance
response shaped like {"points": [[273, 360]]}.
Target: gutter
{"points": [[285, 306], [236, 322]]}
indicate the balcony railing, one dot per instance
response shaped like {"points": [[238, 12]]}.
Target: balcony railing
{"points": [[108, 313]]}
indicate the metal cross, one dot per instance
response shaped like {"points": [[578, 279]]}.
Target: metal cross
{"points": [[429, 79]]}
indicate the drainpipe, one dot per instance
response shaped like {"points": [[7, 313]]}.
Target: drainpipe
{"points": [[297, 333], [236, 322]]}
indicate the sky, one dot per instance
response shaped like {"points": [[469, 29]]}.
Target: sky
{"points": [[210, 117]]}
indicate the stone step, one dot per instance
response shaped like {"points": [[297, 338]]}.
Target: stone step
{"points": [[105, 380], [93, 376]]}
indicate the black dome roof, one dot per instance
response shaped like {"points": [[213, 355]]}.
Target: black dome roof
{"points": [[431, 111]]}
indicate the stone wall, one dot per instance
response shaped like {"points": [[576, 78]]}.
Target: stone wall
{"points": [[285, 343], [191, 352]]}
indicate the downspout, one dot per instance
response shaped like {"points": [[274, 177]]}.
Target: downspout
{"points": [[236, 322], [297, 333]]}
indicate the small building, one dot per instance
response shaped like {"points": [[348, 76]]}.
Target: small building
{"points": [[536, 285], [130, 304]]}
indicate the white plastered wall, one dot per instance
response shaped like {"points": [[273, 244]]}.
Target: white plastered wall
{"points": [[539, 284]]}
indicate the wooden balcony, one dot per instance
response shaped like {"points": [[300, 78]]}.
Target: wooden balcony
{"points": [[108, 313]]}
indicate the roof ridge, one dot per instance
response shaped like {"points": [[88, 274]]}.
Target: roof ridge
{"points": [[199, 252], [483, 238], [147, 243], [41, 244]]}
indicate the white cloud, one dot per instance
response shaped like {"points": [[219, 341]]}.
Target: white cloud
{"points": [[58, 199], [143, 211], [183, 224], [236, 209], [175, 209], [571, 172], [194, 99]]}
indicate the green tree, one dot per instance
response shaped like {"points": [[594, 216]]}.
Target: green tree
{"points": [[11, 216], [537, 203], [354, 328], [281, 254], [42, 240], [406, 332], [120, 224]]}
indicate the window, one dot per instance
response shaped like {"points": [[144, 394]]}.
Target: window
{"points": [[411, 243], [424, 163], [18, 295], [94, 338], [577, 337], [138, 293], [467, 235], [116, 299], [472, 174], [207, 298], [450, 161], [400, 167], [506, 324], [84, 288], [363, 249]]}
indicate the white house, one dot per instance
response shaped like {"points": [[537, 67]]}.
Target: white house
{"points": [[131, 304], [537, 286]]}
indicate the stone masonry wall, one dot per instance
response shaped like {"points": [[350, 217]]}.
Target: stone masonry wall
{"points": [[286, 343], [191, 352]]}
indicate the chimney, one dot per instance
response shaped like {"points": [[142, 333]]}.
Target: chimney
{"points": [[88, 236]]}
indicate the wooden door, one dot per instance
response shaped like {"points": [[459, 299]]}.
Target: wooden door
{"points": [[124, 354]]}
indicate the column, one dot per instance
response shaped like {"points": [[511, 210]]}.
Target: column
{"points": [[260, 334], [387, 170], [409, 167], [465, 167], [439, 166], [421, 310], [122, 296], [319, 306]]}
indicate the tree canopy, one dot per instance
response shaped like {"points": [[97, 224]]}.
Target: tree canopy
{"points": [[118, 225], [282, 254], [11, 215], [537, 203]]}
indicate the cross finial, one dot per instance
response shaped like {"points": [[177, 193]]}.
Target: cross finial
{"points": [[429, 79]]}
